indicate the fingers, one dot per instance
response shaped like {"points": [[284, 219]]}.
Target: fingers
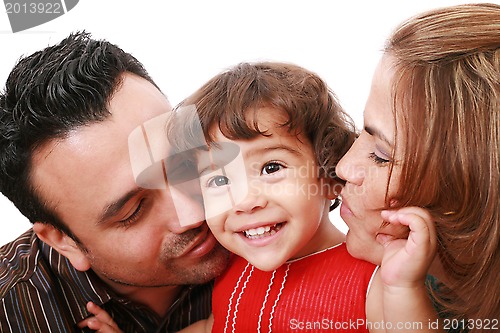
{"points": [[407, 260], [100, 314], [94, 324], [422, 227], [100, 322], [391, 215], [384, 239], [416, 218]]}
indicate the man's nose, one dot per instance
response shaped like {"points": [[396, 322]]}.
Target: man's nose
{"points": [[187, 205]]}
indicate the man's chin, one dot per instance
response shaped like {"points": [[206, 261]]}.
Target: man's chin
{"points": [[212, 265]]}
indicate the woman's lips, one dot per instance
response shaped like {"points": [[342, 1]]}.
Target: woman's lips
{"points": [[344, 209]]}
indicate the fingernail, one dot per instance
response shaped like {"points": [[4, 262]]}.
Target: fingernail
{"points": [[387, 213], [384, 239]]}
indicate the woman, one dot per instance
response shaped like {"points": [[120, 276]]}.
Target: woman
{"points": [[431, 145]]}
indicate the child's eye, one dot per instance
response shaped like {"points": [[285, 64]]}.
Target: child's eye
{"points": [[377, 159], [271, 167], [218, 181]]}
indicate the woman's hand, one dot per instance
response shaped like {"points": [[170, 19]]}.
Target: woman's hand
{"points": [[101, 321], [406, 261]]}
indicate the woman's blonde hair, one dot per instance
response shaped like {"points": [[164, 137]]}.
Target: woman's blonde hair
{"points": [[446, 99]]}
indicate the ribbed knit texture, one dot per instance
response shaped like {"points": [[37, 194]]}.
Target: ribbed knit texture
{"points": [[323, 292]]}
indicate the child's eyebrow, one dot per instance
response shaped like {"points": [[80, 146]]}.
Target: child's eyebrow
{"points": [[216, 156], [287, 148], [215, 159], [209, 167]]}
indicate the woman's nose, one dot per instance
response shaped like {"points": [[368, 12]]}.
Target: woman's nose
{"points": [[350, 167]]}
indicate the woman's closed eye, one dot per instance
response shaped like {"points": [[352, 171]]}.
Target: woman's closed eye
{"points": [[378, 159]]}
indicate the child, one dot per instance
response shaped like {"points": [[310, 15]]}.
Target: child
{"points": [[291, 266], [274, 135]]}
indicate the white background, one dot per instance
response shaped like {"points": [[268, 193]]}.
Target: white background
{"points": [[184, 43]]}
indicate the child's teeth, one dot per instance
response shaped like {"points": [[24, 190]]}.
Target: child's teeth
{"points": [[260, 231]]}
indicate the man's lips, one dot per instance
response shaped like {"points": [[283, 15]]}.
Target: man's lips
{"points": [[202, 244]]}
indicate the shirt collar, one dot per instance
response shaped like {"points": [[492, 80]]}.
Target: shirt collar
{"points": [[80, 287]]}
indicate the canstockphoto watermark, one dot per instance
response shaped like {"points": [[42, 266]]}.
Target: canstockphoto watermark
{"points": [[25, 14], [423, 326], [328, 324]]}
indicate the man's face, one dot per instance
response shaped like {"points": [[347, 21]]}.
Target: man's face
{"points": [[128, 235]]}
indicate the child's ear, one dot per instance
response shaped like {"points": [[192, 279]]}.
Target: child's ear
{"points": [[63, 244]]}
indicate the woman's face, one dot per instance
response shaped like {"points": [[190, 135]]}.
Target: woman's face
{"points": [[366, 168]]}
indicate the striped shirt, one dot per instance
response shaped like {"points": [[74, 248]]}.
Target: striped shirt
{"points": [[40, 291]]}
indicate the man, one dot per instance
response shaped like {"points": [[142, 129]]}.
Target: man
{"points": [[66, 116]]}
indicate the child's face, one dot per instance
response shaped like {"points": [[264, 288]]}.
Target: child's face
{"points": [[263, 198]]}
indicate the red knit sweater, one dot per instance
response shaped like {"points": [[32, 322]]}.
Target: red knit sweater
{"points": [[323, 292]]}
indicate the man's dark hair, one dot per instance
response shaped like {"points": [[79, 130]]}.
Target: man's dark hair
{"points": [[47, 95]]}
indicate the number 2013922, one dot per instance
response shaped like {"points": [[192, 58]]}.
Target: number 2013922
{"points": [[33, 8]]}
